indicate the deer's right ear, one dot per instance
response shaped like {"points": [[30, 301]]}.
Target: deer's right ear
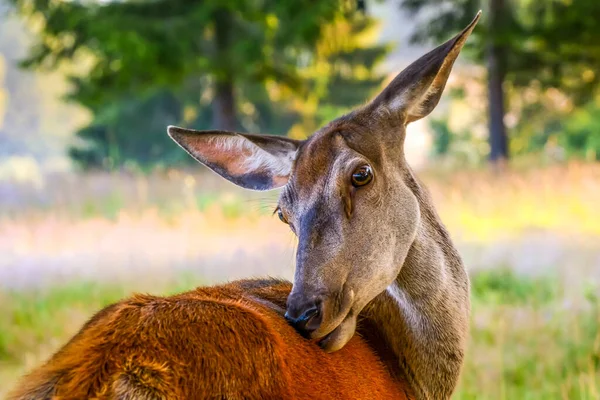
{"points": [[416, 91], [258, 162]]}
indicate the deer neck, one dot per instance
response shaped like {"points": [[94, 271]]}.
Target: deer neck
{"points": [[419, 325]]}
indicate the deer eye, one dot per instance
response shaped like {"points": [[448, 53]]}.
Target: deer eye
{"points": [[362, 176], [281, 216]]}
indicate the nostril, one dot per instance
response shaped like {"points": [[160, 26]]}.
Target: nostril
{"points": [[308, 321], [308, 314]]}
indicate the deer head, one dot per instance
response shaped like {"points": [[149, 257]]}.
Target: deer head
{"points": [[344, 194]]}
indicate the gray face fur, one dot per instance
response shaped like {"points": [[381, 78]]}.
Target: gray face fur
{"points": [[353, 240]]}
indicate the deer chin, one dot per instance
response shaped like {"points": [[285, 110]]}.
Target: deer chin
{"points": [[341, 335], [339, 321]]}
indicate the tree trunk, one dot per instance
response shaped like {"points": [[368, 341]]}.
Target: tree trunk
{"points": [[223, 107], [496, 73]]}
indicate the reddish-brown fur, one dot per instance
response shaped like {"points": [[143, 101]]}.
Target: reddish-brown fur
{"points": [[149, 347]]}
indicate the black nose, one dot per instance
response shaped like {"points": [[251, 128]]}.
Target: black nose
{"points": [[306, 319]]}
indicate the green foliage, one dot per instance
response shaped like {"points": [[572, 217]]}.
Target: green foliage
{"points": [[580, 134], [443, 18], [442, 137], [551, 42], [544, 45], [155, 63], [572, 134], [458, 148], [137, 45], [130, 129], [558, 46], [341, 72]]}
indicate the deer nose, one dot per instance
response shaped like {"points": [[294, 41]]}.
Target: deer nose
{"points": [[306, 318]]}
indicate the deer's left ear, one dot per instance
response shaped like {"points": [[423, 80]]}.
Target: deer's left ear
{"points": [[417, 90], [258, 162]]}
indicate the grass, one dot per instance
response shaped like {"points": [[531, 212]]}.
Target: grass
{"points": [[502, 286], [481, 205], [524, 343], [528, 343]]}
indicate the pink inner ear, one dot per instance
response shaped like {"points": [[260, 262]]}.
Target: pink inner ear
{"points": [[239, 159], [228, 153], [279, 180], [233, 161]]}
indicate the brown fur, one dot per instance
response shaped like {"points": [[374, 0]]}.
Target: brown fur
{"points": [[223, 342], [373, 259]]}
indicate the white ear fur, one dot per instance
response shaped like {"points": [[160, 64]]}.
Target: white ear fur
{"points": [[258, 162], [256, 158]]}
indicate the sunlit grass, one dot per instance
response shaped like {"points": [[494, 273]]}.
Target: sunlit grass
{"points": [[477, 205], [482, 205]]}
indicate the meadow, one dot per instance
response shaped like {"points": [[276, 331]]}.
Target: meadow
{"points": [[71, 244]]}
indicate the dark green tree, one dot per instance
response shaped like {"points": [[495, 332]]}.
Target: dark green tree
{"points": [[132, 129], [551, 43], [136, 45], [204, 63], [207, 64]]}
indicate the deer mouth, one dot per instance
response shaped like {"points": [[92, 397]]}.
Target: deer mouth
{"points": [[340, 336], [339, 322]]}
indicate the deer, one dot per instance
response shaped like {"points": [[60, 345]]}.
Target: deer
{"points": [[379, 304]]}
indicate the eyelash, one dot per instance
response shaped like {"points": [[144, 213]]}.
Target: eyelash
{"points": [[281, 215], [284, 219]]}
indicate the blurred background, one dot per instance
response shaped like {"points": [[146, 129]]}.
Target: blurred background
{"points": [[96, 202]]}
